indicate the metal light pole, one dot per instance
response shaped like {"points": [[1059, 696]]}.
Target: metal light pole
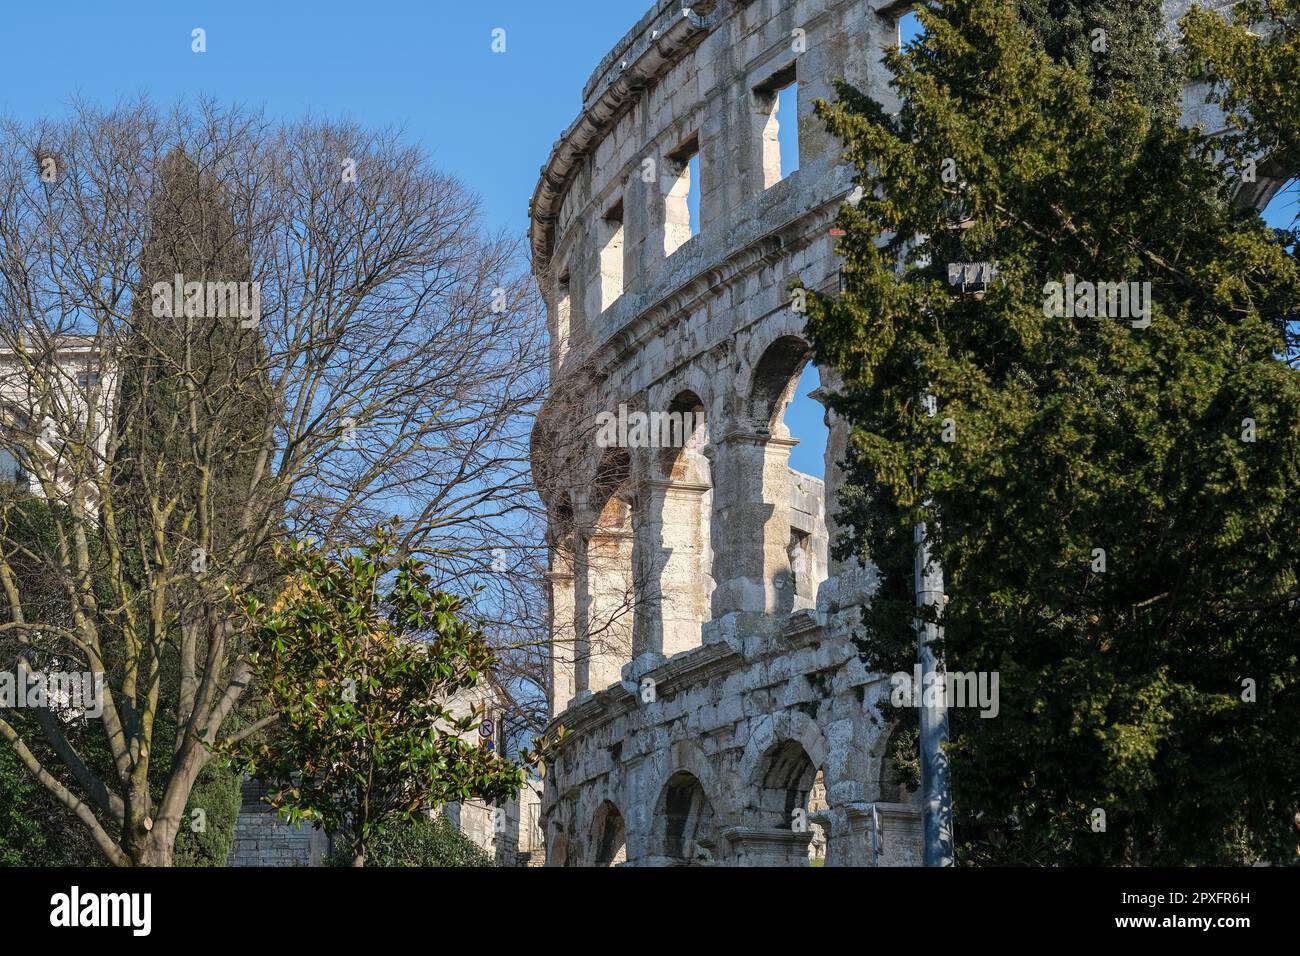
{"points": [[936, 799]]}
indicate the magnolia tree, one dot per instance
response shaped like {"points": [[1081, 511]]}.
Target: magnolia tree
{"points": [[362, 663], [218, 334]]}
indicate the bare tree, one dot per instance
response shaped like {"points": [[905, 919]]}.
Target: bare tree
{"points": [[392, 368]]}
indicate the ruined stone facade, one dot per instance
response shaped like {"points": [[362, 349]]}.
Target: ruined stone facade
{"points": [[716, 708], [702, 662]]}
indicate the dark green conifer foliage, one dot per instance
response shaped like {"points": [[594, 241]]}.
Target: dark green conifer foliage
{"points": [[202, 460], [1126, 51], [1171, 447], [192, 416]]}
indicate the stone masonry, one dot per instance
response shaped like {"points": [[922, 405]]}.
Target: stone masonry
{"points": [[716, 709], [701, 653]]}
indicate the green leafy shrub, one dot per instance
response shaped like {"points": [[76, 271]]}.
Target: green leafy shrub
{"points": [[432, 841]]}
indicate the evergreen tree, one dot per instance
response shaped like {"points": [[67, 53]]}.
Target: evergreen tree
{"points": [[190, 346], [1106, 488], [194, 344], [196, 446], [1115, 42], [1250, 61], [423, 842]]}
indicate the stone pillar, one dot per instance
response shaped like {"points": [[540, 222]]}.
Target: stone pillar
{"points": [[837, 445], [563, 632], [670, 549], [751, 523], [854, 840], [766, 846], [807, 548], [605, 609]]}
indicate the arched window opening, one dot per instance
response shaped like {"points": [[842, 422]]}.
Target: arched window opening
{"points": [[782, 570], [1283, 209], [775, 378], [603, 577], [608, 836], [899, 779], [805, 417], [675, 555], [787, 782], [909, 28], [682, 833]]}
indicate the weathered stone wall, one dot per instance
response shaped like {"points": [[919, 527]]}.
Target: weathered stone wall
{"points": [[262, 838], [700, 634], [701, 638]]}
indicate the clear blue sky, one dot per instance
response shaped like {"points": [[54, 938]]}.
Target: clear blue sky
{"points": [[425, 66]]}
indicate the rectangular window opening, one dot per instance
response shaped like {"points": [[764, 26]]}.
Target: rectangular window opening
{"points": [[682, 202], [693, 197], [909, 28], [777, 102], [563, 313], [611, 256]]}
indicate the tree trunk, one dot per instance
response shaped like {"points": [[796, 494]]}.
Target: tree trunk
{"points": [[155, 846], [157, 852]]}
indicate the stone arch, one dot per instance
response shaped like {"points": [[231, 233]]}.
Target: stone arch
{"points": [[788, 774], [766, 737], [689, 756], [603, 575], [1270, 178], [674, 553], [774, 779], [772, 558], [692, 377], [687, 427], [772, 383], [557, 846], [610, 489], [889, 788], [681, 832], [608, 835]]}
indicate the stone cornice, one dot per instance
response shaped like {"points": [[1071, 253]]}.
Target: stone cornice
{"points": [[675, 306], [676, 488], [598, 709], [660, 50], [742, 436]]}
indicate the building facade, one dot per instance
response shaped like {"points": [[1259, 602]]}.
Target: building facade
{"points": [[715, 707]]}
